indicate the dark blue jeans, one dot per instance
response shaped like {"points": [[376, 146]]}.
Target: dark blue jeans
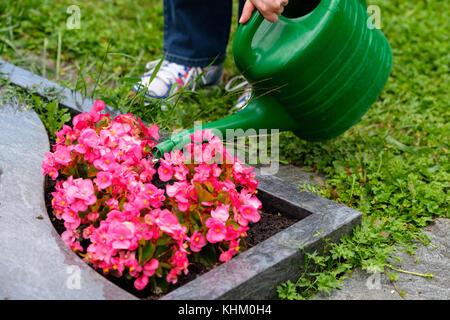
{"points": [[196, 32]]}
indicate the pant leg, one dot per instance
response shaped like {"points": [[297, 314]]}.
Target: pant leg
{"points": [[196, 31], [241, 6]]}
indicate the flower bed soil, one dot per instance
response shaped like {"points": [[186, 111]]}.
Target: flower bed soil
{"points": [[267, 226]]}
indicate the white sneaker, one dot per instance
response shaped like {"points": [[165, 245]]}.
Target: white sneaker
{"points": [[172, 76]]}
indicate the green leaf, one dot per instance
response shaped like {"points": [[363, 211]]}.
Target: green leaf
{"points": [[392, 276], [400, 145], [195, 218], [202, 193], [147, 252], [207, 256], [223, 197], [131, 80], [233, 223]]}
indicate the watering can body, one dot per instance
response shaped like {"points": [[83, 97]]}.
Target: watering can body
{"points": [[315, 74]]}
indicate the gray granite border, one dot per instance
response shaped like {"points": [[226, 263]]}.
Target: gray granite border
{"points": [[255, 273], [35, 262]]}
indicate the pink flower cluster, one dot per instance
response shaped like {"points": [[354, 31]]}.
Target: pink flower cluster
{"points": [[119, 221]]}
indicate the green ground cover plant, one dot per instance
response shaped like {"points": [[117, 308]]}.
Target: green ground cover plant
{"points": [[392, 165]]}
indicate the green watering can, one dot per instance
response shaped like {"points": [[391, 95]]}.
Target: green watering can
{"points": [[314, 72]]}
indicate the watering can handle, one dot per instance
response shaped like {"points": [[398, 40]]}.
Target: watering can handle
{"points": [[244, 35], [248, 29]]}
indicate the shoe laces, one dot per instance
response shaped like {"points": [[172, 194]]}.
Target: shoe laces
{"points": [[169, 71]]}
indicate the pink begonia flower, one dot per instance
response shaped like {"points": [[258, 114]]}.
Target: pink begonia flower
{"points": [[103, 180], [113, 204], [180, 260], [81, 121], [172, 276], [175, 157], [152, 132], [221, 213], [99, 251], [165, 172], [216, 232], [72, 225], [85, 191], [215, 170], [243, 230], [197, 136], [106, 138], [232, 251], [167, 221], [197, 241], [234, 244], [226, 255], [98, 106], [200, 136], [60, 137], [133, 267], [201, 154], [48, 166], [150, 267], [254, 202], [173, 189], [180, 190], [180, 172], [202, 172], [249, 213], [78, 148], [76, 247], [179, 233], [69, 236], [118, 264], [119, 129], [154, 195], [149, 233], [89, 138], [141, 282], [231, 233], [62, 155], [122, 234], [106, 162], [88, 231], [70, 216], [147, 170]]}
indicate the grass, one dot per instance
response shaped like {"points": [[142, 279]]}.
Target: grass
{"points": [[392, 165]]}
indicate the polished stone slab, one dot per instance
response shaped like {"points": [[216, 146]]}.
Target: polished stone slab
{"points": [[35, 263], [434, 259], [255, 273]]}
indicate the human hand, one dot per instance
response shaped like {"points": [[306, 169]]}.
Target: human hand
{"points": [[270, 9]]}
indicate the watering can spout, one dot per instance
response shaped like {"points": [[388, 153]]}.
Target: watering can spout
{"points": [[262, 112]]}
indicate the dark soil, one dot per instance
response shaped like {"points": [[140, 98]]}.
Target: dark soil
{"points": [[269, 225]]}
